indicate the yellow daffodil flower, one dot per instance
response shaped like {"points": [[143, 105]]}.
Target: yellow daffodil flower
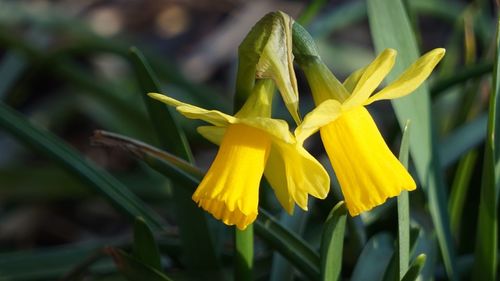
{"points": [[252, 144], [368, 172]]}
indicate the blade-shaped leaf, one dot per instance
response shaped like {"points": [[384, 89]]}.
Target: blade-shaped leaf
{"points": [[282, 269], [485, 265], [133, 269], [378, 251], [51, 263], [145, 248], [391, 29], [200, 253], [332, 243], [68, 158], [415, 268], [460, 188], [404, 209], [296, 250]]}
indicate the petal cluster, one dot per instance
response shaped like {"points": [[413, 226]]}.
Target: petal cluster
{"points": [[368, 172], [252, 145], [228, 189], [366, 169]]}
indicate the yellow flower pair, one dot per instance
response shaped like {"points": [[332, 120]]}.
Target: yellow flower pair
{"points": [[253, 144]]}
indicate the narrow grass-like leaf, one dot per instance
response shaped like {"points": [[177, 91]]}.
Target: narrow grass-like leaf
{"points": [[332, 242], [50, 263], [170, 135], [459, 189], [282, 269], [392, 271], [374, 258], [68, 158], [404, 209], [415, 268], [485, 265], [133, 269], [296, 250], [200, 253], [292, 247], [144, 248], [391, 29]]}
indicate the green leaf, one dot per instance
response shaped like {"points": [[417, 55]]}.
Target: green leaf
{"points": [[404, 209], [391, 29], [134, 269], [392, 271], [332, 242], [200, 253], [50, 263], [415, 268], [374, 258], [170, 135], [52, 147], [459, 189], [282, 269], [399, 261], [485, 265], [145, 248], [291, 246]]}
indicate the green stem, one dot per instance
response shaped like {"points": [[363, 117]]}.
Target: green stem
{"points": [[244, 254]]}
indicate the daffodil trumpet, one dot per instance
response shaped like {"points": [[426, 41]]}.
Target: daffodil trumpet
{"points": [[367, 171], [252, 144]]}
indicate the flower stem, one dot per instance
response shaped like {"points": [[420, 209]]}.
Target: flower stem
{"points": [[244, 254]]}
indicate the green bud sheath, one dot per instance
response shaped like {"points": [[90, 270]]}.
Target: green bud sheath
{"points": [[266, 52]]}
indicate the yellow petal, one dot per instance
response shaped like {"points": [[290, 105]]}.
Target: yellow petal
{"points": [[230, 188], [214, 117], [212, 133], [294, 174], [276, 128], [411, 78], [275, 174], [351, 81], [323, 114], [372, 77], [366, 169]]}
